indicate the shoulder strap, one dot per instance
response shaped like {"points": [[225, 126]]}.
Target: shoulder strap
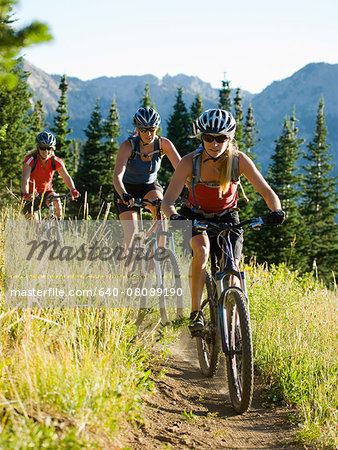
{"points": [[235, 176], [196, 175], [35, 159], [52, 160], [135, 145], [158, 145]]}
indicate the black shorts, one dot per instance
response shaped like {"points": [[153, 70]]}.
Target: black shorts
{"points": [[137, 191], [236, 236], [38, 204]]}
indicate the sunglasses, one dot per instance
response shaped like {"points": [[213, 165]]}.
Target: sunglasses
{"points": [[145, 130], [218, 139], [46, 148]]}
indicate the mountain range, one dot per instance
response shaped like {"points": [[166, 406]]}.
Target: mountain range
{"points": [[302, 90]]}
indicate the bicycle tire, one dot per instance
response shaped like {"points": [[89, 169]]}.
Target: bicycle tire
{"points": [[208, 345], [171, 306], [240, 367], [136, 278], [54, 232]]}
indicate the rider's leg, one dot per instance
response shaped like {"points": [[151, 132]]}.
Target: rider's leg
{"points": [[155, 195], [57, 208], [129, 224], [201, 247]]}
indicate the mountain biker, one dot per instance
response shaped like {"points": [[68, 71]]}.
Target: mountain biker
{"points": [[137, 163], [212, 173], [37, 175]]}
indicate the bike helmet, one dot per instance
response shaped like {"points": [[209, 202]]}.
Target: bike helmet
{"points": [[216, 121], [45, 138], [146, 117]]}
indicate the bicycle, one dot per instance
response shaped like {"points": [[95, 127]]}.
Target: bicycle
{"points": [[50, 225], [154, 270], [227, 318]]}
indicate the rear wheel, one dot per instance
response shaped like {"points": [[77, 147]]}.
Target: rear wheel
{"points": [[240, 367], [208, 345]]}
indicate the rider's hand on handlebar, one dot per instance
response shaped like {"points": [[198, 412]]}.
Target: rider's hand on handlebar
{"points": [[275, 217], [75, 194], [128, 199], [177, 217]]}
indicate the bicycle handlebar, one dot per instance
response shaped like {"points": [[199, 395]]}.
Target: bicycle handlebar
{"points": [[62, 196], [203, 225], [144, 202]]}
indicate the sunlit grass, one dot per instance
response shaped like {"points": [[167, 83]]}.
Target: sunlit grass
{"points": [[71, 377], [294, 323]]}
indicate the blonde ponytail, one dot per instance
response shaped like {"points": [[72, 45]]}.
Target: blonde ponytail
{"points": [[227, 160]]}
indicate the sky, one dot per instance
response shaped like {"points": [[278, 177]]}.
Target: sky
{"points": [[250, 43]]}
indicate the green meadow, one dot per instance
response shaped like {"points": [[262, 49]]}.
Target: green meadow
{"points": [[71, 378]]}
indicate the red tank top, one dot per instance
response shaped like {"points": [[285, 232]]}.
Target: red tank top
{"points": [[205, 195], [209, 200], [42, 176]]}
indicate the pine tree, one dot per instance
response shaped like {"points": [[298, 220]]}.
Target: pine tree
{"points": [[250, 132], [179, 124], [37, 119], [61, 129], [224, 101], [15, 120], [112, 131], [277, 244], [238, 115], [249, 139], [12, 41], [319, 202], [178, 131], [89, 177], [146, 100], [196, 109]]}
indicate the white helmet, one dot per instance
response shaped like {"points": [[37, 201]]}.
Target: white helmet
{"points": [[146, 117], [216, 121]]}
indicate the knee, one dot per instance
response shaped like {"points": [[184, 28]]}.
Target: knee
{"points": [[201, 254]]}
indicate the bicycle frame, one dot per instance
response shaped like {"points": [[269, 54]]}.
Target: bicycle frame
{"points": [[159, 228], [221, 278]]}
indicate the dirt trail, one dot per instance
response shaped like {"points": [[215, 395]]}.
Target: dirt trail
{"points": [[189, 411]]}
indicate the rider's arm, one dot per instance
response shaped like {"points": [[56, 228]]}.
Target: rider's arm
{"points": [[182, 172], [170, 150], [66, 178], [26, 172], [250, 171], [123, 155]]}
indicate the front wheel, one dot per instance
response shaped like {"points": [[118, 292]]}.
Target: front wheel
{"points": [[171, 297], [239, 360], [207, 342], [162, 288]]}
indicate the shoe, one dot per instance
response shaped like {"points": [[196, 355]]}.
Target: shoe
{"points": [[196, 321]]}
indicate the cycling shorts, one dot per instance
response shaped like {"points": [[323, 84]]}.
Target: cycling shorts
{"points": [[38, 204], [236, 236], [137, 191]]}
